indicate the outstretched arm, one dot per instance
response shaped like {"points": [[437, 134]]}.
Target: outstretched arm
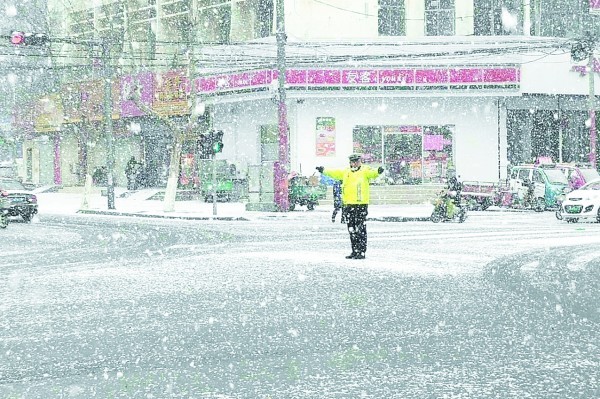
{"points": [[337, 174]]}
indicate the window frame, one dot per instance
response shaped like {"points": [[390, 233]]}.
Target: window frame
{"points": [[386, 11], [433, 9]]}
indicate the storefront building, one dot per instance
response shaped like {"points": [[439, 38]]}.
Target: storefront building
{"points": [[418, 119]]}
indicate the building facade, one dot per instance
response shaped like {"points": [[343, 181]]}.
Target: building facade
{"points": [[414, 85]]}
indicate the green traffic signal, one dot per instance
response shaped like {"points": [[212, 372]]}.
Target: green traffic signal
{"points": [[217, 147], [217, 141], [210, 144]]}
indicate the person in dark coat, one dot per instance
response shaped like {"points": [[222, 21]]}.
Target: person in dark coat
{"points": [[337, 201], [337, 196], [132, 170]]}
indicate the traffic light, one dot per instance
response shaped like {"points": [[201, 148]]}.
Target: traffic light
{"points": [[217, 141], [210, 144], [28, 39], [204, 147], [582, 48]]}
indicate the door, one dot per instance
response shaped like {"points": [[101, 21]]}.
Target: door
{"points": [[539, 184], [519, 180], [269, 143], [403, 157]]}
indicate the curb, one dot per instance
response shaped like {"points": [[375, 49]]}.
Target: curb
{"points": [[238, 218], [398, 219], [139, 215]]}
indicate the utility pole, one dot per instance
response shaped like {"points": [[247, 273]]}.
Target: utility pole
{"points": [[12, 80], [281, 167], [581, 50], [108, 128], [538, 17], [592, 104], [560, 130]]}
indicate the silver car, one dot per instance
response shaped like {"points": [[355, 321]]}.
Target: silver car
{"points": [[19, 201]]}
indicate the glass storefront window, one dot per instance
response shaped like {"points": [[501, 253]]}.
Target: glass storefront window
{"points": [[412, 154], [367, 141], [437, 152]]}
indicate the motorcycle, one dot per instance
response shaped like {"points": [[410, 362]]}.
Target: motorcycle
{"points": [[447, 207], [529, 197]]}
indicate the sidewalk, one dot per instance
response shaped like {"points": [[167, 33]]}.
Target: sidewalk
{"points": [[137, 204]]}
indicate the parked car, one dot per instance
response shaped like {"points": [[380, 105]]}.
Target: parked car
{"points": [[583, 203], [21, 202], [7, 169], [549, 183], [578, 174]]}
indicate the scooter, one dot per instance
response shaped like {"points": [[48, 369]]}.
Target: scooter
{"points": [[531, 199], [448, 208]]}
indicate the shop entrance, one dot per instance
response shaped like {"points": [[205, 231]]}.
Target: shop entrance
{"points": [[412, 154]]}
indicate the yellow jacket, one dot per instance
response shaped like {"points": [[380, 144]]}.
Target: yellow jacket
{"points": [[355, 185]]}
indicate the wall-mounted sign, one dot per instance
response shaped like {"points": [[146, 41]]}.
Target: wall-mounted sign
{"points": [[234, 81], [171, 93], [382, 79], [142, 83], [325, 137], [594, 6], [48, 114]]}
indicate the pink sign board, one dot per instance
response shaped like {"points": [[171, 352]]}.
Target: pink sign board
{"points": [[417, 77], [431, 76], [359, 77], [466, 75], [294, 76], [433, 142], [324, 77], [396, 77], [206, 84], [595, 6], [234, 81], [501, 75], [144, 84]]}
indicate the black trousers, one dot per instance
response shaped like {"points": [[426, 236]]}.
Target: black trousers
{"points": [[356, 218]]}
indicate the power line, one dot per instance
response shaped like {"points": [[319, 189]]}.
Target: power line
{"points": [[344, 9]]}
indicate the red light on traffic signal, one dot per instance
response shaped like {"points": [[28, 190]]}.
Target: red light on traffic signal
{"points": [[29, 39], [17, 38]]}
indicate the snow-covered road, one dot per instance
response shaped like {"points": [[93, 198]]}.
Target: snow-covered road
{"points": [[504, 306]]}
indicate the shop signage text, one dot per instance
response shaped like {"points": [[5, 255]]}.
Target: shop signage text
{"points": [[410, 78]]}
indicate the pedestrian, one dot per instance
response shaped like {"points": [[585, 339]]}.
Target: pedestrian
{"points": [[337, 195], [337, 201], [355, 197], [132, 171]]}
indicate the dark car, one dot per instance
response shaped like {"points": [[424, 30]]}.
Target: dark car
{"points": [[20, 201]]}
